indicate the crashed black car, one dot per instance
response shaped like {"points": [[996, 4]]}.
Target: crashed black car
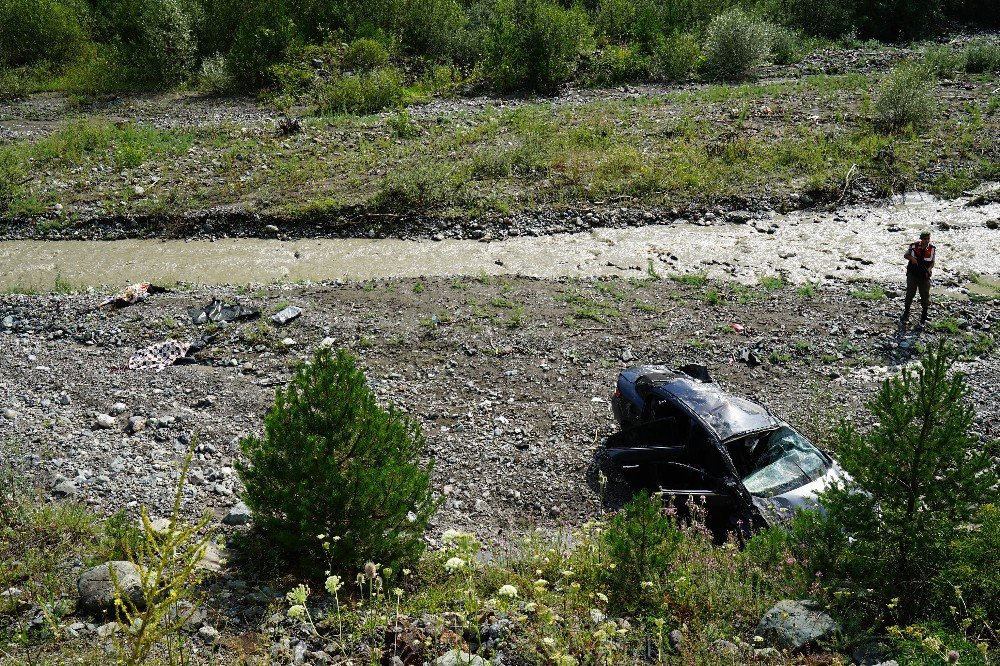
{"points": [[683, 434]]}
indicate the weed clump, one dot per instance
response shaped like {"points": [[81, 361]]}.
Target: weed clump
{"points": [[333, 462], [365, 92], [364, 55]]}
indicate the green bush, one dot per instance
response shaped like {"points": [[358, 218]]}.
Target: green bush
{"points": [[981, 56], [261, 39], [941, 60], [33, 31], [535, 44], [916, 480], [675, 58], [364, 55], [785, 46], [641, 541], [214, 76], [972, 579], [433, 28], [822, 18], [333, 462], [616, 64], [737, 43], [904, 98], [362, 93], [422, 189]]}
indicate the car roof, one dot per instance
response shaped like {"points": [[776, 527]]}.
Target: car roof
{"points": [[726, 416]]}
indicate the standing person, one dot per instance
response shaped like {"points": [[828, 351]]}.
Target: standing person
{"points": [[919, 263]]}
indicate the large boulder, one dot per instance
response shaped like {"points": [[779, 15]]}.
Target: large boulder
{"points": [[97, 592], [792, 625]]}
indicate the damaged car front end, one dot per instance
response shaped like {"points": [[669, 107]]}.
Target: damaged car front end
{"points": [[683, 435]]}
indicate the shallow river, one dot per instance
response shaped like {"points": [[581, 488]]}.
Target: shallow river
{"points": [[860, 242]]}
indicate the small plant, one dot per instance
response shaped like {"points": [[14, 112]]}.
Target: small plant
{"points": [[418, 287], [736, 45], [807, 290], [366, 92], [942, 60], [905, 98], [773, 283], [712, 297], [333, 462], [651, 271], [946, 325], [641, 541], [691, 279], [403, 125], [779, 357], [876, 292], [167, 565], [982, 56]]}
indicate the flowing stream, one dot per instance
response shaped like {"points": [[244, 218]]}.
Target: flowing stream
{"points": [[855, 242]]}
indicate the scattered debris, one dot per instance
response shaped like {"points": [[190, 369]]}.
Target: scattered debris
{"points": [[288, 314], [131, 295], [163, 354], [217, 311]]}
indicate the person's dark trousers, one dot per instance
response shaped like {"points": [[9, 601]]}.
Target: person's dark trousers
{"points": [[913, 283]]}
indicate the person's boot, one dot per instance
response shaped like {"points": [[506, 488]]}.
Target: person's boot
{"points": [[905, 318]]}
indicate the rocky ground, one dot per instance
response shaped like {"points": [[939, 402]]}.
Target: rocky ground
{"points": [[510, 379]]}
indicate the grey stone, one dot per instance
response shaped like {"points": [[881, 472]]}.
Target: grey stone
{"points": [[725, 648], [105, 421], [8, 322], [208, 633], [768, 654], [118, 408], [793, 625], [135, 424], [64, 488], [9, 414], [105, 630], [238, 515], [457, 658], [288, 314], [97, 593], [676, 639]]}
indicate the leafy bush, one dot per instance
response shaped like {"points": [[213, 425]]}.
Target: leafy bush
{"points": [[916, 479], [785, 46], [905, 97], [616, 64], [260, 41], [333, 462], [737, 44], [365, 55], [362, 93], [32, 31], [982, 56], [214, 76], [941, 60], [822, 18], [972, 579], [675, 57], [641, 540], [535, 44], [433, 28], [421, 189]]}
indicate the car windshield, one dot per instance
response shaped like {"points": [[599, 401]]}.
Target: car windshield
{"points": [[782, 461]]}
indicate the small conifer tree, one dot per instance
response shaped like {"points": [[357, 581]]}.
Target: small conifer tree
{"points": [[917, 479], [336, 480]]}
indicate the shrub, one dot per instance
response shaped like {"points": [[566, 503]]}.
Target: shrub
{"points": [[214, 76], [982, 56], [905, 97], [32, 31], [420, 189], [365, 55], [822, 18], [785, 46], [942, 61], [433, 28], [535, 44], [675, 57], [737, 44], [260, 41], [972, 579], [362, 93], [916, 479], [615, 64], [641, 540], [333, 462]]}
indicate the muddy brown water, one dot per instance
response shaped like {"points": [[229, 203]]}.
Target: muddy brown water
{"points": [[860, 242]]}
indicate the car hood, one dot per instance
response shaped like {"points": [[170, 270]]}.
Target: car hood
{"points": [[781, 508]]}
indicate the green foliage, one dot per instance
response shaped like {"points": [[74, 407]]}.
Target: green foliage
{"points": [[364, 55], [736, 45], [981, 56], [422, 189], [917, 477], [971, 580], [905, 98], [366, 92], [676, 57], [616, 64], [785, 45], [822, 18], [433, 28], [214, 76], [641, 541], [333, 462], [942, 60], [535, 44], [261, 38], [32, 31]]}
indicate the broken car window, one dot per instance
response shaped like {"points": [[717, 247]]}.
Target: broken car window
{"points": [[783, 460]]}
